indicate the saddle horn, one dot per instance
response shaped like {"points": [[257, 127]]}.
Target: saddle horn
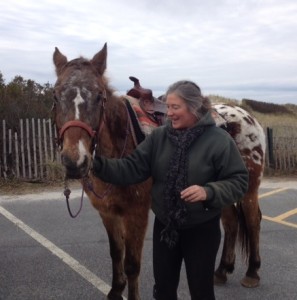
{"points": [[135, 80], [138, 91]]}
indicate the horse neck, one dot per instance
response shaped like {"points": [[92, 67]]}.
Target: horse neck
{"points": [[114, 138]]}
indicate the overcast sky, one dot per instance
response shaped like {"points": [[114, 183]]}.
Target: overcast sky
{"points": [[233, 48]]}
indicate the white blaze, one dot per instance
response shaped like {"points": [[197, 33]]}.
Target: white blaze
{"points": [[82, 151], [77, 100]]}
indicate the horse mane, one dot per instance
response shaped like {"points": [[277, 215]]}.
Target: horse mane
{"points": [[78, 62], [115, 117]]}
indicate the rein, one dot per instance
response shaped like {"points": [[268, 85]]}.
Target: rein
{"points": [[86, 180]]}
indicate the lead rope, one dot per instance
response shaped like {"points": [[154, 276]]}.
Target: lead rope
{"points": [[67, 193], [88, 184]]}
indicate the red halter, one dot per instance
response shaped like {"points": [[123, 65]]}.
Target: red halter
{"points": [[77, 123]]}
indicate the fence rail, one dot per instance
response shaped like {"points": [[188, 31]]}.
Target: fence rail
{"points": [[30, 152]]}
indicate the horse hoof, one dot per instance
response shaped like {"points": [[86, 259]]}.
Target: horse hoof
{"points": [[250, 282], [220, 279], [113, 296]]}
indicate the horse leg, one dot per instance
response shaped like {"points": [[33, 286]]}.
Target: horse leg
{"points": [[135, 224], [116, 235], [230, 224], [252, 215]]}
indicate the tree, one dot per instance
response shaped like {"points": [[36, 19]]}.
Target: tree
{"points": [[21, 99]]}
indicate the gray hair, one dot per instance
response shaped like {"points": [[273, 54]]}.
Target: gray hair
{"points": [[191, 94]]}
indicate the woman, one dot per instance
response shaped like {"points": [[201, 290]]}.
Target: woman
{"points": [[196, 170]]}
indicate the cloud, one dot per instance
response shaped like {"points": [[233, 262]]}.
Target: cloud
{"points": [[228, 44]]}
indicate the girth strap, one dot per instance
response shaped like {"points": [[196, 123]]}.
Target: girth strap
{"points": [[138, 135]]}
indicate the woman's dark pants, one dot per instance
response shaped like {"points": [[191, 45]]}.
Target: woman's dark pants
{"points": [[198, 247]]}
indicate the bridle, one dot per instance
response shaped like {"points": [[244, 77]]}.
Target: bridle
{"points": [[93, 134], [78, 123]]}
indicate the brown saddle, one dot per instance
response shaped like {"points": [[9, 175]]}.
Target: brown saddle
{"points": [[147, 101]]}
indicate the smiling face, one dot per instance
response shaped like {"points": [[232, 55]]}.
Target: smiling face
{"points": [[179, 113]]}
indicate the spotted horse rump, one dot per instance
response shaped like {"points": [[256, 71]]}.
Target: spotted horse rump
{"points": [[243, 220]]}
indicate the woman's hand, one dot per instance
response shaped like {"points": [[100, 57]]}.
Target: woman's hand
{"points": [[97, 164], [193, 193]]}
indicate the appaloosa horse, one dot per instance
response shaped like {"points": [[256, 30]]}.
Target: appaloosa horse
{"points": [[241, 222], [90, 118]]}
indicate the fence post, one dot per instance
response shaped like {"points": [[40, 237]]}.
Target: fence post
{"points": [[17, 159], [4, 150], [22, 149], [34, 148], [28, 148], [270, 147]]}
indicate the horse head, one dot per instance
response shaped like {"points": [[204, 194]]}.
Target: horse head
{"points": [[79, 99]]}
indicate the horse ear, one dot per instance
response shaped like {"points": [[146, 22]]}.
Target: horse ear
{"points": [[99, 60], [60, 60]]}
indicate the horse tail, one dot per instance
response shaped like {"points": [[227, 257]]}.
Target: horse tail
{"points": [[243, 231]]}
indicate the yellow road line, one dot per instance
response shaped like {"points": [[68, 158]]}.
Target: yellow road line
{"points": [[280, 221], [286, 215], [272, 193]]}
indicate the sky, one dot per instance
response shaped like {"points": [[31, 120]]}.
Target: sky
{"points": [[232, 48]]}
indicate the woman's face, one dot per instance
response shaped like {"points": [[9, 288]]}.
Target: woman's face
{"points": [[178, 112]]}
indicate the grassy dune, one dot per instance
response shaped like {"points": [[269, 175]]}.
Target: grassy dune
{"points": [[268, 114]]}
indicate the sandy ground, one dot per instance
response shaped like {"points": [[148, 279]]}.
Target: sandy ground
{"points": [[279, 182]]}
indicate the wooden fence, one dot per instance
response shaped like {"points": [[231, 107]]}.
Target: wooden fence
{"points": [[282, 149], [30, 152]]}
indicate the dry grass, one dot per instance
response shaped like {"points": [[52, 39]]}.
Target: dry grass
{"points": [[274, 120], [215, 99], [19, 187], [266, 119]]}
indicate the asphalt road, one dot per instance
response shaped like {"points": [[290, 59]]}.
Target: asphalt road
{"points": [[45, 254]]}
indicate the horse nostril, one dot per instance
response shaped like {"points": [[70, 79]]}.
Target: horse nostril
{"points": [[68, 162], [75, 169]]}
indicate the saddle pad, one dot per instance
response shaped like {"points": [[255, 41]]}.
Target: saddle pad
{"points": [[146, 124]]}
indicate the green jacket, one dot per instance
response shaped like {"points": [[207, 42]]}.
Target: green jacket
{"points": [[214, 163]]}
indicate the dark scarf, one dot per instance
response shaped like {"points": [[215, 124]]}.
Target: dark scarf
{"points": [[176, 181]]}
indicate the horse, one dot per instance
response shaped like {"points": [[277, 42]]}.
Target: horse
{"points": [[91, 119], [241, 222]]}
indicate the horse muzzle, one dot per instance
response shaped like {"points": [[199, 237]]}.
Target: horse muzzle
{"points": [[76, 169]]}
